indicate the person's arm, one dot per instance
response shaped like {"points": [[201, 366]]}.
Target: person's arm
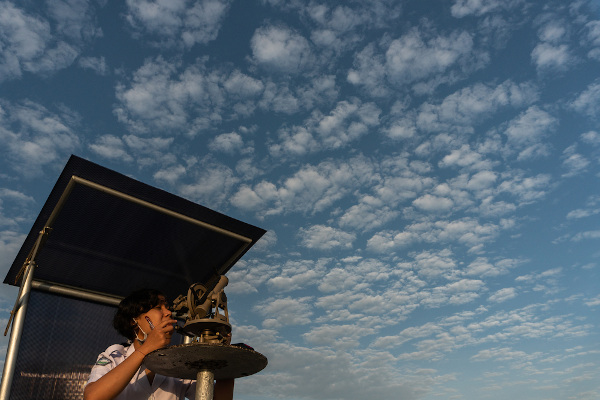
{"points": [[113, 383]]}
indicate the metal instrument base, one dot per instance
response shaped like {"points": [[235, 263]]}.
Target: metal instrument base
{"points": [[187, 360]]}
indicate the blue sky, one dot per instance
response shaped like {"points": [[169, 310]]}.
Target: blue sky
{"points": [[427, 172]]}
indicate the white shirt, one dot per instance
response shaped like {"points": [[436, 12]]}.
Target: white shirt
{"points": [[162, 388]]}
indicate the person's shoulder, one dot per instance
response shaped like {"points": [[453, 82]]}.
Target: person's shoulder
{"points": [[116, 350]]}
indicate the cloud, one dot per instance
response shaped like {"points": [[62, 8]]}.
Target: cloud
{"points": [[324, 237], [34, 137], [592, 207], [159, 98], [464, 108], [43, 45], [10, 243], [481, 267], [526, 189], [526, 133], [368, 214], [227, 143], [546, 56], [328, 367], [463, 8], [312, 189], [212, 183], [573, 162], [435, 264], [369, 72], [411, 57], [111, 147], [591, 137], [96, 64], [430, 203], [593, 38], [249, 274], [278, 48], [418, 58], [337, 336], [177, 23], [588, 101], [466, 231], [346, 123], [298, 274], [285, 311], [503, 295]]}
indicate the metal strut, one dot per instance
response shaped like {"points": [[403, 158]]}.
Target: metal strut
{"points": [[18, 314]]}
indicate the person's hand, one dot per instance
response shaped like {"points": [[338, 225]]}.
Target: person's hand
{"points": [[160, 336]]}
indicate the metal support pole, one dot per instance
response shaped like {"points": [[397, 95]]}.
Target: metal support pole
{"points": [[205, 385], [15, 333]]}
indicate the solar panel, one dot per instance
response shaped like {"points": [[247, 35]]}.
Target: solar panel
{"points": [[112, 234]]}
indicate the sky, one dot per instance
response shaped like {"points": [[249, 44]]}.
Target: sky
{"points": [[427, 171]]}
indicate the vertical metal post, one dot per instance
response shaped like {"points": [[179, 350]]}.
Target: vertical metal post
{"points": [[205, 385], [15, 333]]}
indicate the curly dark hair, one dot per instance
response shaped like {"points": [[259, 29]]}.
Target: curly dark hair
{"points": [[138, 302]]}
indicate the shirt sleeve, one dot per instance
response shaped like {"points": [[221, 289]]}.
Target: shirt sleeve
{"points": [[105, 362], [191, 390]]}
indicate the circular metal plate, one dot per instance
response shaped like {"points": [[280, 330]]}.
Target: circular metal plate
{"points": [[185, 360]]}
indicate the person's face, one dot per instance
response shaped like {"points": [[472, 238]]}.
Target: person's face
{"points": [[155, 314]]}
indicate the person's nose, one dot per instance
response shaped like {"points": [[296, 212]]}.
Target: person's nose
{"points": [[166, 311]]}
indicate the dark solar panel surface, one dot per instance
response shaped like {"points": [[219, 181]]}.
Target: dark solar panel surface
{"points": [[105, 243]]}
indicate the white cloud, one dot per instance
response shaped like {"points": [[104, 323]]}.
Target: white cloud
{"points": [[310, 190], [43, 45], [573, 162], [526, 189], [466, 231], [170, 174], [526, 133], [588, 101], [417, 58], [369, 213], [10, 243], [298, 274], [435, 264], [241, 85], [111, 147], [161, 99], [177, 22], [325, 238], [227, 143], [503, 295], [470, 105], [249, 275], [212, 183], [591, 137], [430, 203], [96, 64], [281, 49], [369, 72], [338, 336], [34, 138], [346, 123], [285, 311], [593, 38], [410, 57], [481, 267], [463, 8], [552, 57]]}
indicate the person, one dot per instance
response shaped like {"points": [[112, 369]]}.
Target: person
{"points": [[145, 320]]}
